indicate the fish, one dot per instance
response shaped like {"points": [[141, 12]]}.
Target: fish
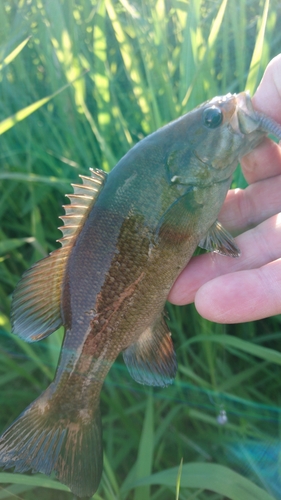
{"points": [[127, 235]]}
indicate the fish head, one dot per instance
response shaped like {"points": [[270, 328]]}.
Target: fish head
{"points": [[218, 133]]}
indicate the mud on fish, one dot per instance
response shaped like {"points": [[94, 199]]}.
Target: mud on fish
{"points": [[126, 237]]}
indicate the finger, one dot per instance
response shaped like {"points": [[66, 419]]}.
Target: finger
{"points": [[243, 296], [245, 208], [267, 98], [265, 160], [259, 246]]}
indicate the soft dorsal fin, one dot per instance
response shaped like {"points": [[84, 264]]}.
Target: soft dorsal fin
{"points": [[36, 299]]}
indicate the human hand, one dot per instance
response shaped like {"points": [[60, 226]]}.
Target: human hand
{"points": [[229, 290]]}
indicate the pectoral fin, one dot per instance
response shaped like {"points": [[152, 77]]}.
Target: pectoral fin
{"points": [[152, 360], [220, 241]]}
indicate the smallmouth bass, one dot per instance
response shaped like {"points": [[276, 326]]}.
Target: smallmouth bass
{"points": [[126, 238]]}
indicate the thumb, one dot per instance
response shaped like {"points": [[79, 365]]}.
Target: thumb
{"points": [[267, 98]]}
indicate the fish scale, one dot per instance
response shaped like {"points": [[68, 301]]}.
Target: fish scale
{"points": [[126, 237]]}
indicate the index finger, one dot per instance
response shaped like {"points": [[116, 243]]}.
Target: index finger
{"points": [[265, 160]]}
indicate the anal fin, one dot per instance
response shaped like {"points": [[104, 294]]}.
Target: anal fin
{"points": [[152, 360], [219, 240]]}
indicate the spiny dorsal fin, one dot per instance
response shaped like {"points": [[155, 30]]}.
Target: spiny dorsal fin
{"points": [[36, 299], [81, 201]]}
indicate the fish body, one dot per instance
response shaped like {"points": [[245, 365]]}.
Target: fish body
{"points": [[127, 236]]}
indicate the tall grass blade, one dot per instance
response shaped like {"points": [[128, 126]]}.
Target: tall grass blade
{"points": [[9, 58], [38, 480], [28, 110], [178, 483], [255, 350], [254, 70], [211, 477], [145, 454], [203, 70]]}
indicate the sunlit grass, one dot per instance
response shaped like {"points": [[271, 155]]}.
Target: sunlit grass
{"points": [[147, 62]]}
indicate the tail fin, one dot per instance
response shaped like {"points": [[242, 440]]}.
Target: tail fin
{"points": [[42, 442]]}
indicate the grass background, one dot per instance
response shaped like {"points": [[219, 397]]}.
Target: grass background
{"points": [[135, 64]]}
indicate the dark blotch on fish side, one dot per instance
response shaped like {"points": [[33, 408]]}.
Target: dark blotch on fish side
{"points": [[126, 238]]}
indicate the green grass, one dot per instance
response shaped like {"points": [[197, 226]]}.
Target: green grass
{"points": [[146, 63]]}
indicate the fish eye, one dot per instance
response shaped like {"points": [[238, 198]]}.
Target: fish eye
{"points": [[212, 117]]}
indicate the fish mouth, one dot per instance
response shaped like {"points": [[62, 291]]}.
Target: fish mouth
{"points": [[245, 119]]}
